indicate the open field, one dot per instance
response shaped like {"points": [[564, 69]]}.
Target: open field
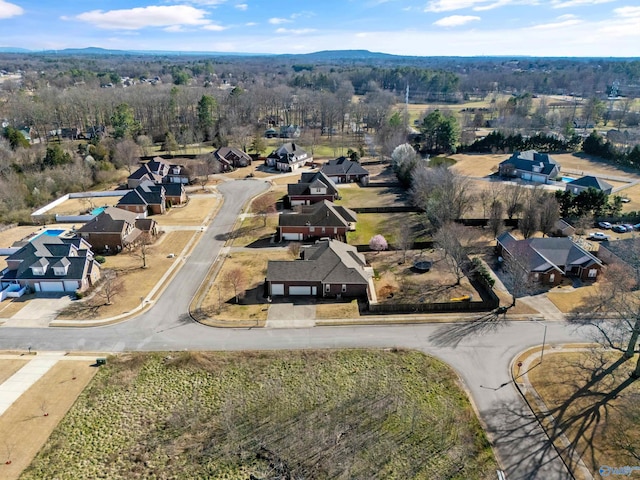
{"points": [[594, 403], [137, 281], [23, 427], [219, 302], [193, 213], [353, 195], [400, 283], [386, 224], [302, 414]]}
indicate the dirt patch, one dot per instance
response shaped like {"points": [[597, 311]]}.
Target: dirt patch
{"points": [[23, 427]]}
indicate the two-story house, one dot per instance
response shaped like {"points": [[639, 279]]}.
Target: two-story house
{"points": [[312, 187]]}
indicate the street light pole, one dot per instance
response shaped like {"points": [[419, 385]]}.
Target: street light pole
{"points": [[544, 339]]}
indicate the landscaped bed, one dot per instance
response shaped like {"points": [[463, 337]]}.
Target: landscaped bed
{"points": [[302, 414]]}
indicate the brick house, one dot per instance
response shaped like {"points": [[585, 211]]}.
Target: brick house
{"points": [[343, 170], [530, 166], [312, 187], [146, 199], [322, 219]]}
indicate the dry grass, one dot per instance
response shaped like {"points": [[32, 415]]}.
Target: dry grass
{"points": [[252, 229], [569, 301], [477, 165], [193, 213], [337, 310], [78, 206], [9, 367], [9, 307], [400, 284], [24, 429], [593, 421], [520, 308], [138, 281], [219, 302]]}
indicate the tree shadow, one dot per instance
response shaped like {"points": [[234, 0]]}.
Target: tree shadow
{"points": [[452, 335]]}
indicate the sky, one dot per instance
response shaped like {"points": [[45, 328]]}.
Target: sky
{"points": [[581, 28]]}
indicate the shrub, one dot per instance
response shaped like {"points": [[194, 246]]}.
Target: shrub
{"points": [[481, 273], [79, 295], [100, 259]]}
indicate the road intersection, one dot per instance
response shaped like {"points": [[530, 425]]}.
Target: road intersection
{"points": [[481, 352]]}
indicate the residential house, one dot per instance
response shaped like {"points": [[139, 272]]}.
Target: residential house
{"points": [[230, 158], [288, 157], [146, 199], [289, 131], [549, 260], [625, 252], [312, 187], [530, 166], [322, 219], [158, 171], [52, 264], [174, 193], [562, 228], [328, 268], [343, 170], [585, 183], [115, 228]]}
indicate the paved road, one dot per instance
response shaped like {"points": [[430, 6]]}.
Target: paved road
{"points": [[480, 351]]}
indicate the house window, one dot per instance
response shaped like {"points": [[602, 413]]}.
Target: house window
{"points": [[593, 272], [344, 288], [312, 229], [552, 278], [323, 229], [327, 288], [536, 276]]}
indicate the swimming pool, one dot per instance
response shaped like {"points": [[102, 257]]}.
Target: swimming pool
{"points": [[567, 179], [97, 211], [53, 232]]}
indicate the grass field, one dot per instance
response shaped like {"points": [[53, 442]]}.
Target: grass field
{"points": [[302, 414], [386, 224], [599, 416], [353, 195]]}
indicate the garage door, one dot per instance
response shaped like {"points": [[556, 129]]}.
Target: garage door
{"points": [[292, 236], [539, 178], [526, 176], [51, 287], [277, 289], [299, 290], [70, 285]]}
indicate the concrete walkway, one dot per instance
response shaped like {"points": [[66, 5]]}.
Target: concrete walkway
{"points": [[22, 380]]}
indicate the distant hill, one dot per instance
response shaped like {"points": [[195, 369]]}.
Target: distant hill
{"points": [[13, 50]]}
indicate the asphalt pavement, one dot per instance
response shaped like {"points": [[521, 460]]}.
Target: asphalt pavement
{"points": [[480, 351]]}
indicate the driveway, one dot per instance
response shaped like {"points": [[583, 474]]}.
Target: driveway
{"points": [[298, 314], [38, 312]]}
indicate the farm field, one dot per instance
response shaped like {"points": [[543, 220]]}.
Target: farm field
{"points": [[311, 414], [602, 426]]}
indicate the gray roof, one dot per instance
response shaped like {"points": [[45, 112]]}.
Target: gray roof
{"points": [[44, 251], [147, 193], [321, 214], [627, 250], [289, 153], [343, 166], [232, 155], [530, 161], [309, 179], [328, 261], [589, 181], [544, 254], [111, 220]]}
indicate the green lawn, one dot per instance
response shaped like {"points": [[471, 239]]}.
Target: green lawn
{"points": [[386, 224], [302, 414], [354, 196]]}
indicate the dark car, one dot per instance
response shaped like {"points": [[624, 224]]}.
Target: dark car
{"points": [[619, 229]]}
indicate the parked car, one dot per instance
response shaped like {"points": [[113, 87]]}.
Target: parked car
{"points": [[636, 226], [625, 200], [605, 225], [619, 229], [599, 236], [628, 227]]}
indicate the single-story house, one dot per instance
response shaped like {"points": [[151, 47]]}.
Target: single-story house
{"points": [[585, 183], [312, 187], [52, 264], [530, 166], [322, 219], [343, 170], [230, 158], [115, 228], [626, 252], [158, 170], [146, 198], [288, 157], [328, 268], [549, 260]]}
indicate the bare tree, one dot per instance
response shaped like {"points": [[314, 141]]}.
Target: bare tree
{"points": [[237, 279], [516, 272], [496, 221], [443, 194], [140, 248], [548, 213], [450, 237], [206, 167], [9, 448], [404, 241], [126, 153], [110, 287], [514, 199], [294, 249], [263, 206]]}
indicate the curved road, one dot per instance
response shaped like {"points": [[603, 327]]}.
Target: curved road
{"points": [[480, 351]]}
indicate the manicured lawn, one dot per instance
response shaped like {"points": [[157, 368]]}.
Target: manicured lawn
{"points": [[336, 309], [300, 414], [353, 196], [603, 426], [193, 213], [386, 224]]}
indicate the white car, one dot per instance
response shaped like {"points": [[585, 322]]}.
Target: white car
{"points": [[599, 236]]}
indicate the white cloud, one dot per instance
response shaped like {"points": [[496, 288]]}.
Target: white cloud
{"points": [[295, 31], [456, 20], [251, 24], [242, 6], [449, 5], [141, 17], [278, 21], [627, 12], [8, 10], [562, 21], [577, 3], [208, 2], [214, 27]]}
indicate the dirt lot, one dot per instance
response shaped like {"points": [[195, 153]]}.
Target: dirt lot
{"points": [[23, 427], [81, 206]]}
